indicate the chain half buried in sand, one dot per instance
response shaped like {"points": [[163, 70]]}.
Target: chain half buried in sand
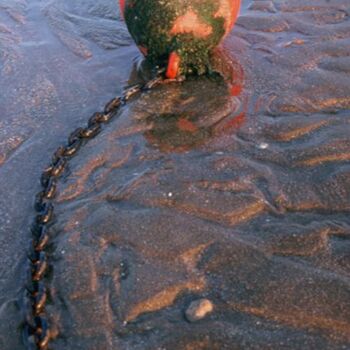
{"points": [[36, 327]]}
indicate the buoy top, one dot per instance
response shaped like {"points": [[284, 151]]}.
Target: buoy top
{"points": [[180, 33]]}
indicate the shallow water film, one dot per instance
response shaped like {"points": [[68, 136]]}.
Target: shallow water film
{"points": [[231, 195]]}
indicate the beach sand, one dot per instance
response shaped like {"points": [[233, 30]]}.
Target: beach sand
{"points": [[232, 191]]}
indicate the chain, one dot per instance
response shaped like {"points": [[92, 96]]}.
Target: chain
{"points": [[36, 326]]}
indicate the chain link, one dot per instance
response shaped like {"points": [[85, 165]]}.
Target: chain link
{"points": [[36, 331]]}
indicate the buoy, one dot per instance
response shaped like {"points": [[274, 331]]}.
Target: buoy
{"points": [[179, 34]]}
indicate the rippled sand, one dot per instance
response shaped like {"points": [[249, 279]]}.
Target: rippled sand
{"points": [[237, 191]]}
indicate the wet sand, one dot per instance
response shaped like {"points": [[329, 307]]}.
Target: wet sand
{"points": [[238, 194]]}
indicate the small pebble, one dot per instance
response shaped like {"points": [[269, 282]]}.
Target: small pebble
{"points": [[263, 145], [199, 309]]}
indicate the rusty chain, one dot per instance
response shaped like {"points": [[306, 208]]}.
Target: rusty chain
{"points": [[36, 327]]}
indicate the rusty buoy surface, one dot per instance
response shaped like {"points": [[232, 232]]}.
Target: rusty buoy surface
{"points": [[179, 33]]}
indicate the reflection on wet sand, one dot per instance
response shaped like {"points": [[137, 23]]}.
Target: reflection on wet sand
{"points": [[186, 120], [177, 118]]}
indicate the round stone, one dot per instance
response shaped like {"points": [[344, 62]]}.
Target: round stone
{"points": [[198, 309]]}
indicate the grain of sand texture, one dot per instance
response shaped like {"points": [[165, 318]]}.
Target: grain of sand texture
{"points": [[192, 193]]}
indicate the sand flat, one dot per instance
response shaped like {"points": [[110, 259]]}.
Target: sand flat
{"points": [[235, 192]]}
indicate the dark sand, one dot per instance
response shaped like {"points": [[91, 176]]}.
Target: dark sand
{"points": [[191, 193]]}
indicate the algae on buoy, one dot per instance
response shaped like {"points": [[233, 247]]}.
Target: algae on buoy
{"points": [[179, 34]]}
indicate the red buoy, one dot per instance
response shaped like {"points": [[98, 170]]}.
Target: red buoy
{"points": [[178, 33]]}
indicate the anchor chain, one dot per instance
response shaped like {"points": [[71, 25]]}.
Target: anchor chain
{"points": [[36, 324]]}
